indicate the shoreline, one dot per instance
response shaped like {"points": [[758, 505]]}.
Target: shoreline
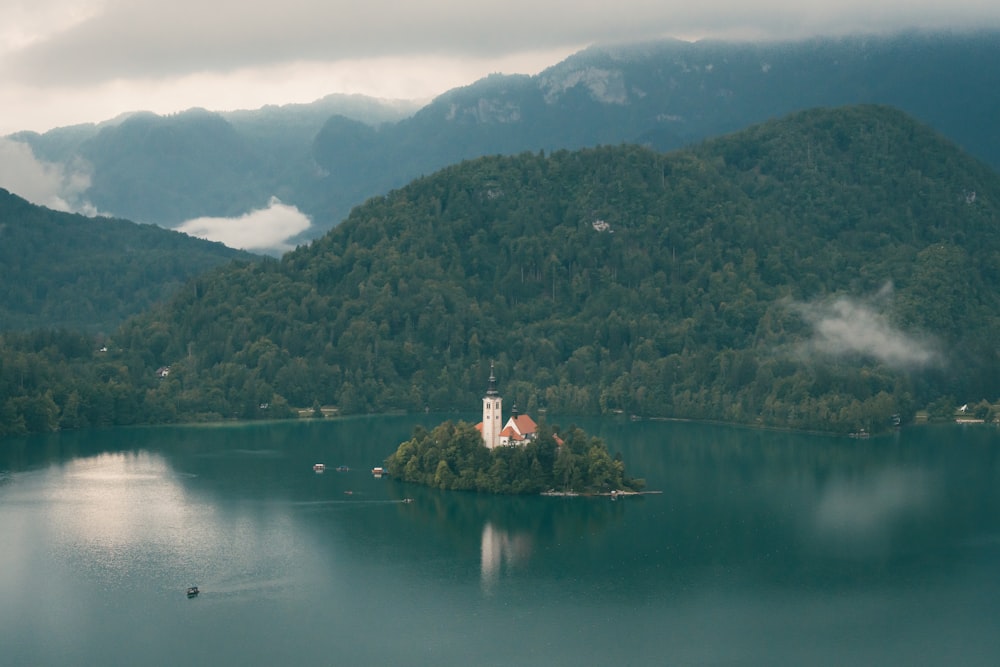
{"points": [[607, 494]]}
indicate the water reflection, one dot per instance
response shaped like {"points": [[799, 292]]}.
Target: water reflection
{"points": [[127, 520], [864, 508], [764, 548], [499, 547], [114, 498]]}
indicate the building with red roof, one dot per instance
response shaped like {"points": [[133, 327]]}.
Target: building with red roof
{"points": [[519, 428]]}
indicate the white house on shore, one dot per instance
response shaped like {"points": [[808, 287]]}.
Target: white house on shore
{"points": [[518, 430]]}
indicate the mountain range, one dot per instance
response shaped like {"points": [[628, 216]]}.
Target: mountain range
{"points": [[837, 269], [328, 157]]}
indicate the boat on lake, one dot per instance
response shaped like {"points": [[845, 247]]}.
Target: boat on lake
{"points": [[378, 471], [192, 591], [319, 467]]}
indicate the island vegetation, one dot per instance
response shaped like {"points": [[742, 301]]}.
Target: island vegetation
{"points": [[452, 456], [836, 270]]}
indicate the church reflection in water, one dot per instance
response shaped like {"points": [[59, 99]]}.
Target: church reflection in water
{"points": [[499, 548]]}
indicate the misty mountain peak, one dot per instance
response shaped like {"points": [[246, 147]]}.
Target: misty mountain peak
{"points": [[485, 111], [605, 85]]}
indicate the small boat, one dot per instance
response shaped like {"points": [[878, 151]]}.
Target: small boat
{"points": [[319, 467], [192, 591], [378, 471]]}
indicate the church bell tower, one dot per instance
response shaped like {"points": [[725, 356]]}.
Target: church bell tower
{"points": [[492, 413]]}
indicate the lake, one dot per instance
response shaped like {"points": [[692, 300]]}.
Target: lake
{"points": [[764, 548]]}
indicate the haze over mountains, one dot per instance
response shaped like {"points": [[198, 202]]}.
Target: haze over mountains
{"points": [[280, 176]]}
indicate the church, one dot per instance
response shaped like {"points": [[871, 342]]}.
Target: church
{"points": [[518, 430]]}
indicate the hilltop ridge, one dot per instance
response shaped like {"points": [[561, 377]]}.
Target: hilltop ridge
{"points": [[326, 158]]}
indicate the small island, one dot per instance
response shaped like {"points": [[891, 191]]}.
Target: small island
{"points": [[519, 457]]}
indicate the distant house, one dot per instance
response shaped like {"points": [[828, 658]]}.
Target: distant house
{"points": [[518, 430], [163, 371]]}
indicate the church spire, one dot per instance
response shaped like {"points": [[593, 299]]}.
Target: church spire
{"points": [[491, 389], [492, 412]]}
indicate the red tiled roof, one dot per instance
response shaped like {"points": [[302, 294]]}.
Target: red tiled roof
{"points": [[524, 424], [510, 432]]}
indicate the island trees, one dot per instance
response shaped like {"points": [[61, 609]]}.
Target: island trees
{"points": [[452, 456]]}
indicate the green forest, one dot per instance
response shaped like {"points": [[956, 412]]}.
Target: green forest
{"points": [[834, 270], [452, 457], [62, 270]]}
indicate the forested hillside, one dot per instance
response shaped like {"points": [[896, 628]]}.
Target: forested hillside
{"points": [[825, 271], [90, 274], [668, 94]]}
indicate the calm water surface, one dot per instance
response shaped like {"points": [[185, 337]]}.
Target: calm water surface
{"points": [[763, 549]]}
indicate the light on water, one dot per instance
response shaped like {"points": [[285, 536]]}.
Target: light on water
{"points": [[764, 548]]}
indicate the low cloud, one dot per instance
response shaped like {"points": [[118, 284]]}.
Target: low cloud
{"points": [[848, 327], [66, 61], [269, 229], [53, 185], [74, 41]]}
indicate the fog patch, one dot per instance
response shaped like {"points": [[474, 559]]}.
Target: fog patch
{"points": [[850, 327], [53, 185], [267, 230]]}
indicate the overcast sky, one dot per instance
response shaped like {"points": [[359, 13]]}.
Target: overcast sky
{"points": [[70, 61]]}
